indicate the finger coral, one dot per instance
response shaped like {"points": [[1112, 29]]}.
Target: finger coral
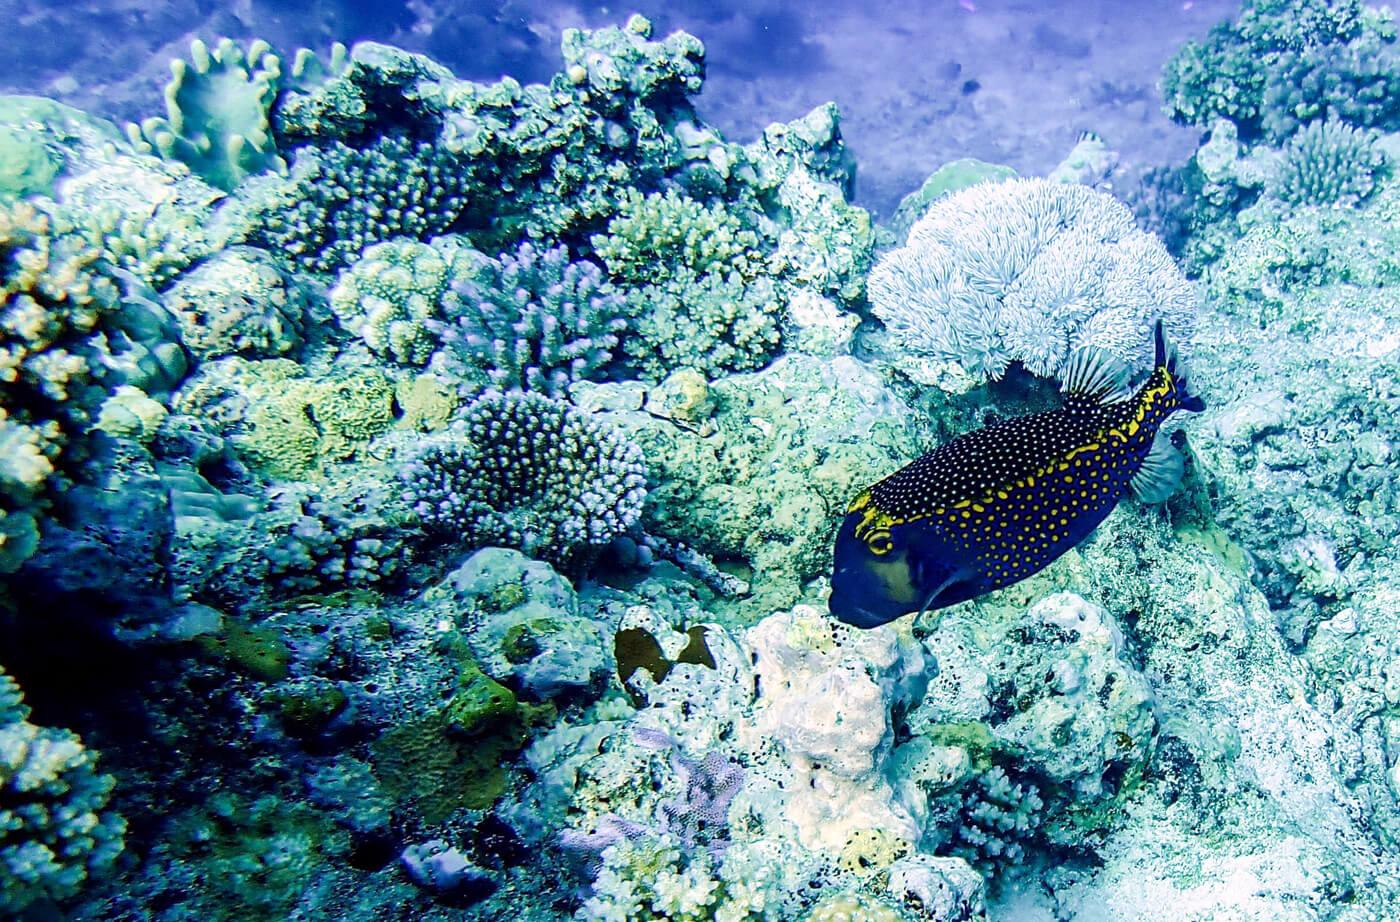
{"points": [[391, 293], [528, 472], [529, 320], [55, 829], [1328, 163]]}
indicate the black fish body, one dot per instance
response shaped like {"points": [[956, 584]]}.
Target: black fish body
{"points": [[1000, 503]]}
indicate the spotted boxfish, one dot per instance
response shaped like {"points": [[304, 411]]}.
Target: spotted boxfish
{"points": [[999, 503]]}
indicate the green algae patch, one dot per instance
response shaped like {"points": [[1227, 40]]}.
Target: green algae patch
{"points": [[1215, 540], [480, 704], [456, 758], [255, 651], [524, 641], [973, 736], [259, 854], [305, 711], [435, 771]]}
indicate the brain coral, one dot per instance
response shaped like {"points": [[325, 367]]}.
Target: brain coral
{"points": [[1024, 271]]}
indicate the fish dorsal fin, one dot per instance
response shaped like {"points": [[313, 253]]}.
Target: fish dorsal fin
{"points": [[1095, 376], [1160, 473]]}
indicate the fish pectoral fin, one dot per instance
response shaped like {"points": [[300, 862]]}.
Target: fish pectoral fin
{"points": [[1160, 473]]}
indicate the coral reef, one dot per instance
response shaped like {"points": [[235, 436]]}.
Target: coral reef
{"points": [[694, 283], [780, 447], [422, 492]]}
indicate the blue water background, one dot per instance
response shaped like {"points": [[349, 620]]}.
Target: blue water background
{"points": [[1010, 81]]}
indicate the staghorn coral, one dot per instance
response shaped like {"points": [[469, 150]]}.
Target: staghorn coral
{"points": [[1328, 163], [1024, 271], [217, 106], [55, 830], [530, 320], [998, 817], [527, 472]]}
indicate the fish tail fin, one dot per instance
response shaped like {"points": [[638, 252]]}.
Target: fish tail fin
{"points": [[1166, 359]]}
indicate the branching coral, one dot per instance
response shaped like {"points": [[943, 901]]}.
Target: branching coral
{"points": [[696, 285], [55, 830], [52, 298], [1328, 163], [1023, 271], [1286, 62], [997, 818], [392, 293], [530, 320], [339, 200], [528, 472]]}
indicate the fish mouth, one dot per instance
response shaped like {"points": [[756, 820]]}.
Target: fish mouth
{"points": [[844, 607]]}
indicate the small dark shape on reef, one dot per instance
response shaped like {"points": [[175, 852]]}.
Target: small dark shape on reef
{"points": [[635, 648]]}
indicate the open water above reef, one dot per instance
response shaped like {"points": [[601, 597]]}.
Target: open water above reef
{"points": [[1012, 82]]}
